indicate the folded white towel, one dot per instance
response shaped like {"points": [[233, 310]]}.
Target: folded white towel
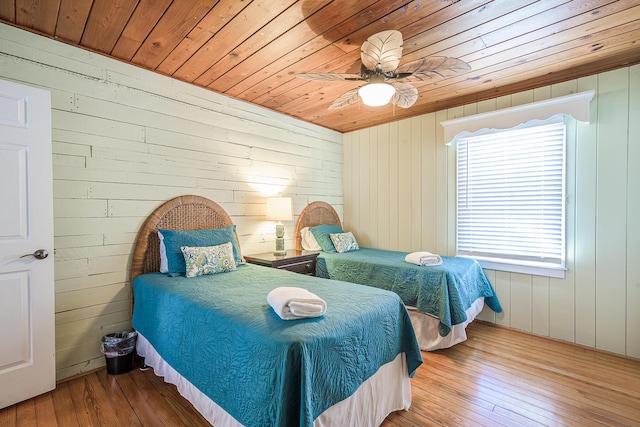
{"points": [[423, 258], [295, 303]]}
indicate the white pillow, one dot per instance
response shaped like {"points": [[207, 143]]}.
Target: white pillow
{"points": [[309, 242], [164, 264]]}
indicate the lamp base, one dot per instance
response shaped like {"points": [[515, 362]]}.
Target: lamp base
{"points": [[280, 242]]}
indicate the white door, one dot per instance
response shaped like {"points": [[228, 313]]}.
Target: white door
{"points": [[27, 341]]}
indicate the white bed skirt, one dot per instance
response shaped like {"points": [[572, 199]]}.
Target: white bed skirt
{"points": [[387, 391], [426, 327]]}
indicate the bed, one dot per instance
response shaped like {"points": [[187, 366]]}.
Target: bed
{"points": [[218, 340], [442, 300]]}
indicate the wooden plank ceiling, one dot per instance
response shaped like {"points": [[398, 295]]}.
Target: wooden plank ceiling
{"points": [[252, 50]]}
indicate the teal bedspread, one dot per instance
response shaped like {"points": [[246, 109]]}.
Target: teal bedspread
{"points": [[445, 291], [219, 332]]}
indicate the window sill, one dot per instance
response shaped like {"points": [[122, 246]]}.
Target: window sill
{"points": [[524, 268]]}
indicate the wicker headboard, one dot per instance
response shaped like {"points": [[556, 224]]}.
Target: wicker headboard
{"points": [[181, 213], [313, 214]]}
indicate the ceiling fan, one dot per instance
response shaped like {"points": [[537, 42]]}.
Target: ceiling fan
{"points": [[385, 78]]}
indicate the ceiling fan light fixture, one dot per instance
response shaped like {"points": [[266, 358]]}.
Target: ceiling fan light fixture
{"points": [[376, 94], [380, 57]]}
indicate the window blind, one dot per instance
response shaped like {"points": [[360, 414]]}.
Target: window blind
{"points": [[510, 195]]}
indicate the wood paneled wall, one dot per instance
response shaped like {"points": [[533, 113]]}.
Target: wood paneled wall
{"points": [[124, 141], [400, 194]]}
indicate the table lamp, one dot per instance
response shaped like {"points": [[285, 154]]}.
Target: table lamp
{"points": [[279, 209]]}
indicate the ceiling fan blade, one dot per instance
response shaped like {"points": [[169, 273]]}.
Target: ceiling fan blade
{"points": [[345, 99], [428, 68], [405, 96], [384, 48], [329, 77]]}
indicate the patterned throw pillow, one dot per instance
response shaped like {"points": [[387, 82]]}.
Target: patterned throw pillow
{"points": [[173, 240], [203, 260], [344, 242]]}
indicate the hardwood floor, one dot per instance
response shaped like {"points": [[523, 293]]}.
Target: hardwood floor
{"points": [[497, 377]]}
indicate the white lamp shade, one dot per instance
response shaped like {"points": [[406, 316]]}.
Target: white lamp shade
{"points": [[376, 94], [279, 209]]}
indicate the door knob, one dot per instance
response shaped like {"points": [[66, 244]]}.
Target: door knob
{"points": [[39, 254]]}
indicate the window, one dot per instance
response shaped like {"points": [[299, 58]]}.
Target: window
{"points": [[511, 198]]}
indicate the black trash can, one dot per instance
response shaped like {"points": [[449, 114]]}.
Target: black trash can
{"points": [[118, 349]]}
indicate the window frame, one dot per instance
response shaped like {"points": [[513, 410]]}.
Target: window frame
{"points": [[575, 105], [520, 264]]}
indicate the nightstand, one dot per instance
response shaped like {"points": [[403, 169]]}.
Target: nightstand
{"points": [[302, 262]]}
